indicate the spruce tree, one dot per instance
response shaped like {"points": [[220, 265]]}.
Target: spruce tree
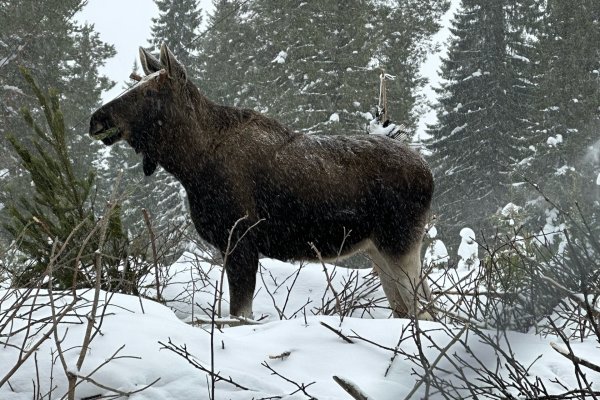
{"points": [[320, 85], [178, 25], [313, 65], [44, 37], [566, 164], [485, 107], [227, 55], [88, 54], [406, 27], [32, 39], [56, 226]]}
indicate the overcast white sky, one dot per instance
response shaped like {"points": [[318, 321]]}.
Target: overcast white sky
{"points": [[125, 24]]}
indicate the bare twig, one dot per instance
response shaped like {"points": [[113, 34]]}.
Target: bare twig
{"points": [[337, 332], [577, 299], [301, 387], [35, 346], [338, 304], [154, 253], [88, 336], [225, 321], [433, 365], [182, 351], [574, 358], [213, 380]]}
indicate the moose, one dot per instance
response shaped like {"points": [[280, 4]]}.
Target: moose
{"points": [[257, 188]]}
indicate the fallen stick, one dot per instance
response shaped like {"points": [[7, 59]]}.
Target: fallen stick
{"points": [[351, 388]]}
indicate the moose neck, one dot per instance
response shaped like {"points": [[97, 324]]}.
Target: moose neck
{"points": [[188, 137]]}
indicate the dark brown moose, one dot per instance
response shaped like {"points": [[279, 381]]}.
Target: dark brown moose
{"points": [[289, 193]]}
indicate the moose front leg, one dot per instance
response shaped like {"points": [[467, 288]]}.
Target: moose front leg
{"points": [[241, 266]]}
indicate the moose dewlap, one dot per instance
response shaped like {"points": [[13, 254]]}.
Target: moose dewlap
{"points": [[282, 192]]}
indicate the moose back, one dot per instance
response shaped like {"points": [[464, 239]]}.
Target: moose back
{"points": [[255, 187]]}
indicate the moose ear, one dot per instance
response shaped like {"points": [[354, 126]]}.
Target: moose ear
{"points": [[149, 63], [174, 68]]}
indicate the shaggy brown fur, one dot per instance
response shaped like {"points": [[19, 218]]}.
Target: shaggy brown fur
{"points": [[293, 189]]}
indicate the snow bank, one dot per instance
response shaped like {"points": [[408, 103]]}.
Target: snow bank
{"points": [[136, 338], [301, 350]]}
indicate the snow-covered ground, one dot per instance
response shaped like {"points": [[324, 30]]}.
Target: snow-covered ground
{"points": [[293, 358]]}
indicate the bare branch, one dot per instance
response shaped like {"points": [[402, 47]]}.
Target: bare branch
{"points": [[338, 304], [154, 253], [574, 358], [337, 332], [182, 352], [301, 386]]}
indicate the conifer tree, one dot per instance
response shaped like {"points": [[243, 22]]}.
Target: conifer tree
{"points": [[44, 37], [33, 40], [56, 226], [312, 64], [567, 164], [88, 54], [406, 27], [314, 60], [227, 55], [484, 114], [178, 26]]}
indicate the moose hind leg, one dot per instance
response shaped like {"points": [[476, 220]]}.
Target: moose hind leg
{"points": [[388, 283], [241, 267], [412, 286]]}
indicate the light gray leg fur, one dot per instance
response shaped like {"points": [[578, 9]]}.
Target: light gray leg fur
{"points": [[411, 286], [388, 284]]}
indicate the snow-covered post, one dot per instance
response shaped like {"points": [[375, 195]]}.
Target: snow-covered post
{"points": [[382, 95], [380, 124]]}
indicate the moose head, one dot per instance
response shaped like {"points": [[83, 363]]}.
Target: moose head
{"points": [[140, 114]]}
